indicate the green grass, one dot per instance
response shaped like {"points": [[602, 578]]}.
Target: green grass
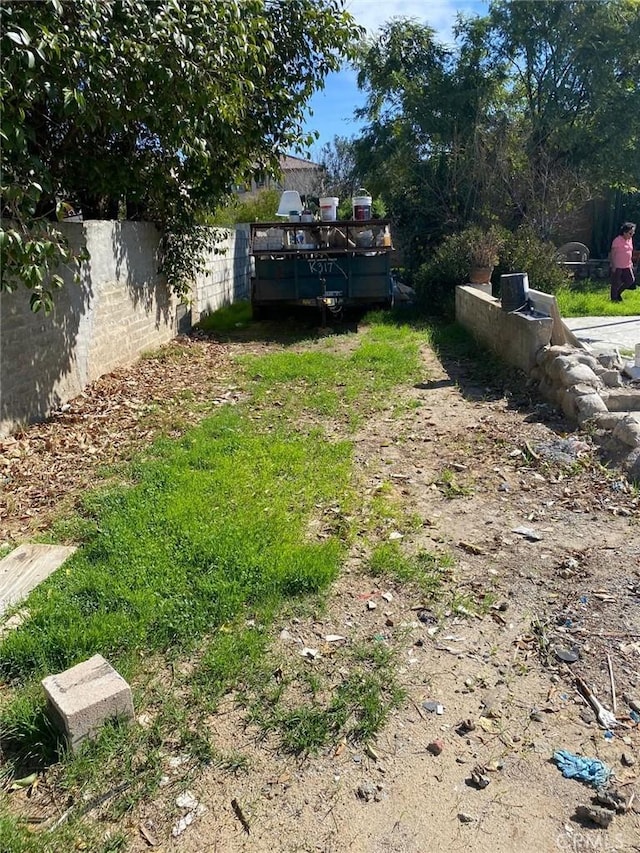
{"points": [[199, 535], [355, 708], [229, 318], [588, 298], [424, 569]]}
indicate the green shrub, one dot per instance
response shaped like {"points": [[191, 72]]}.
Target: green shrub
{"points": [[435, 281], [525, 252], [261, 207]]}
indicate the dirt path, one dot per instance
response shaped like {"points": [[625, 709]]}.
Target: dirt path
{"points": [[567, 585]]}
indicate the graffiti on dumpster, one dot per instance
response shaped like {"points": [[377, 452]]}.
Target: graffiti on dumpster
{"points": [[325, 267]]}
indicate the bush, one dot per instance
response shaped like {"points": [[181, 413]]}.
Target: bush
{"points": [[525, 252], [261, 207], [435, 281], [521, 251]]}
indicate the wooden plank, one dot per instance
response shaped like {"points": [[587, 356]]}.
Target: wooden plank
{"points": [[23, 569]]}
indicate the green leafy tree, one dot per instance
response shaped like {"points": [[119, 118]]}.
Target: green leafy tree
{"points": [[535, 111], [571, 121], [125, 108]]}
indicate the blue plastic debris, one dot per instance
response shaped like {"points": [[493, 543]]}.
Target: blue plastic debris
{"points": [[608, 735], [590, 770], [635, 716]]}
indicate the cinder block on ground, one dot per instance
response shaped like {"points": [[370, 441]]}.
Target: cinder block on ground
{"points": [[82, 698]]}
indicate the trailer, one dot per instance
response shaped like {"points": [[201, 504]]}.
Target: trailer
{"points": [[329, 266]]}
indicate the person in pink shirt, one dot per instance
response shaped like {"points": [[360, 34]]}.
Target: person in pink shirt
{"points": [[621, 262]]}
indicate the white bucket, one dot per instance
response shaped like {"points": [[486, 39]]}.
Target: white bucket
{"points": [[328, 209], [361, 207]]}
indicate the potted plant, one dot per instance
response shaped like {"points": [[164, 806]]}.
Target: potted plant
{"points": [[484, 253]]}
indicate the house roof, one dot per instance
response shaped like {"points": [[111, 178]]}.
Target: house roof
{"points": [[288, 162]]}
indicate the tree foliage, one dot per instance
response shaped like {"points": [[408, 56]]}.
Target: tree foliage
{"points": [[534, 111], [148, 108]]}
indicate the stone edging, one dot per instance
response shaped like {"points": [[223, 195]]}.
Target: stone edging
{"points": [[591, 388]]}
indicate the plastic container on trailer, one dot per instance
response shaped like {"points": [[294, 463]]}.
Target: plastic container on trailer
{"points": [[328, 209], [361, 203]]}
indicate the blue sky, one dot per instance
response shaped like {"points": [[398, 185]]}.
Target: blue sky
{"points": [[333, 107]]}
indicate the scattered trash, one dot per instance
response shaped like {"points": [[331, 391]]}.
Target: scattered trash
{"points": [[371, 605], [435, 747], [310, 654], [606, 719], [146, 831], [612, 799], [635, 716], [425, 616], [479, 778], [632, 703], [608, 735], [370, 751], [602, 817], [528, 533], [334, 638], [431, 706], [186, 800], [568, 655], [387, 596], [25, 782], [465, 726], [395, 535], [195, 809], [590, 770], [181, 824]]}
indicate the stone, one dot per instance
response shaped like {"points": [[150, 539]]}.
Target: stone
{"points": [[627, 430], [589, 405], [612, 378], [576, 374], [608, 357], [81, 699], [607, 420], [622, 400]]}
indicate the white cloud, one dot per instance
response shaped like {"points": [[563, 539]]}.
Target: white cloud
{"points": [[439, 14]]}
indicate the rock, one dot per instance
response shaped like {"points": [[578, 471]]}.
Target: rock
{"points": [[463, 817], [478, 778], [612, 378], [371, 605], [435, 747], [627, 430], [627, 759], [602, 817], [367, 791]]}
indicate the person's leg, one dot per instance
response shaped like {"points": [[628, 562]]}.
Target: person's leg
{"points": [[615, 286]]}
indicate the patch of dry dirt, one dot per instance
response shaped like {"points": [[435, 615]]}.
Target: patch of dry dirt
{"points": [[569, 582]]}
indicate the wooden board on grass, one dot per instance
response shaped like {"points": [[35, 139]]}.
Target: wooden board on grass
{"points": [[27, 566]]}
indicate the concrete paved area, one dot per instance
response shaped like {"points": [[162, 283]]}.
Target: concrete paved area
{"points": [[622, 332]]}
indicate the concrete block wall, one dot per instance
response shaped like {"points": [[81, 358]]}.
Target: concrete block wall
{"points": [[516, 338], [227, 275], [121, 308]]}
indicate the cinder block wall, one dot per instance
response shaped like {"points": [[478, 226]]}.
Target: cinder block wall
{"points": [[227, 275], [516, 338], [121, 308]]}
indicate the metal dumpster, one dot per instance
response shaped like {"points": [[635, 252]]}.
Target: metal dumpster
{"points": [[327, 266]]}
